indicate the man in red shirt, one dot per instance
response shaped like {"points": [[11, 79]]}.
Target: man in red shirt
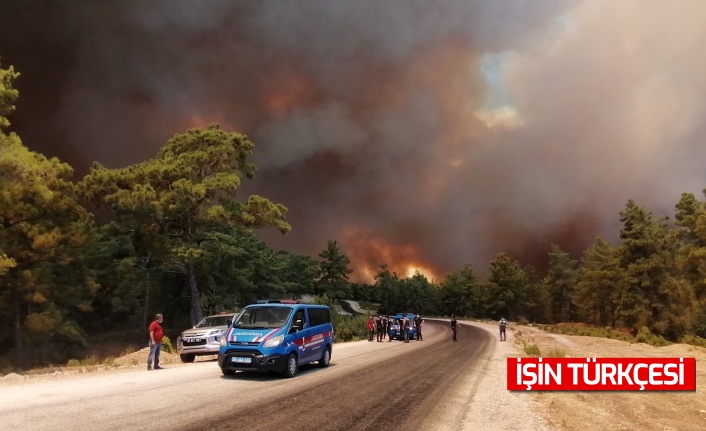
{"points": [[156, 335], [371, 328]]}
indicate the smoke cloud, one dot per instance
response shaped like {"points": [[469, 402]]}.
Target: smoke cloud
{"points": [[419, 134]]}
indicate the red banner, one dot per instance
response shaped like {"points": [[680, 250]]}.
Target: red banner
{"points": [[601, 374]]}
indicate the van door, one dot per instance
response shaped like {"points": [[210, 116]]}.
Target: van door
{"points": [[299, 331]]}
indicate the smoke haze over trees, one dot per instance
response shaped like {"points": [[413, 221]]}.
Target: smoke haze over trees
{"points": [[512, 152], [418, 134]]}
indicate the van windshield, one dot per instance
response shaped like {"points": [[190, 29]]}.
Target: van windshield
{"points": [[263, 317]]}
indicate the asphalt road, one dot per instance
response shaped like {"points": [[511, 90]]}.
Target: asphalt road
{"points": [[369, 385]]}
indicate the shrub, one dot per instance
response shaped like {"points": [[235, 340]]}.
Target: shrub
{"points": [[589, 331], [645, 336], [693, 340], [532, 350], [167, 345], [90, 360], [556, 352], [522, 320], [73, 363], [350, 328]]}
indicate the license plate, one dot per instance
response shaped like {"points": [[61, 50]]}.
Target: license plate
{"points": [[241, 360], [193, 340]]}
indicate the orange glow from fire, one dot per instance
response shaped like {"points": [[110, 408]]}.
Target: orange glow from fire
{"points": [[369, 252], [289, 91]]}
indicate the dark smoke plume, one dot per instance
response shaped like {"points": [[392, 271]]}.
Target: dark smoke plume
{"points": [[422, 134]]}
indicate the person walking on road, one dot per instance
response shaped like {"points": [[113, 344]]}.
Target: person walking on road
{"points": [[371, 328], [156, 335], [502, 325], [453, 326]]}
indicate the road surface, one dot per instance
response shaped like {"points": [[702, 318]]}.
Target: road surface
{"points": [[369, 385]]}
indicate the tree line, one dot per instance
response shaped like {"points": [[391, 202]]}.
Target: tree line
{"points": [[181, 240]]}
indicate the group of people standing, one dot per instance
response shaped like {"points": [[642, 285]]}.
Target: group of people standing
{"points": [[380, 327]]}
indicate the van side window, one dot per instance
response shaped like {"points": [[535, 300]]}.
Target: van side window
{"points": [[319, 316], [299, 320]]}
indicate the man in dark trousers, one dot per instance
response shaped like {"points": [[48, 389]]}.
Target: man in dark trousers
{"points": [[379, 327], [503, 325], [156, 335], [405, 328], [418, 324], [453, 326]]}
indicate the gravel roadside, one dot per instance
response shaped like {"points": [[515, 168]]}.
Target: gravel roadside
{"points": [[481, 400]]}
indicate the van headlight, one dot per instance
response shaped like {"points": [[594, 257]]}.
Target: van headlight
{"points": [[274, 342], [223, 342]]}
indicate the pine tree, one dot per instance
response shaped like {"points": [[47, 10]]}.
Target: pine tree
{"points": [[187, 195]]}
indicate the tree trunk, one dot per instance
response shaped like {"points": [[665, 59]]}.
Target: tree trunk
{"points": [[196, 310]]}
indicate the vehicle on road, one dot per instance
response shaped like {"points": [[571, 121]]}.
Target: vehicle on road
{"points": [[204, 338], [277, 337], [396, 333]]}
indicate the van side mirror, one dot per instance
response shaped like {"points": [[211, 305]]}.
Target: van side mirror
{"points": [[297, 326]]}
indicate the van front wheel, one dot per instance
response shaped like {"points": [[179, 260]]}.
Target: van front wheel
{"points": [[291, 369], [325, 358]]}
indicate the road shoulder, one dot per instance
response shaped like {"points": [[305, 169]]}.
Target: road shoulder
{"points": [[481, 400]]}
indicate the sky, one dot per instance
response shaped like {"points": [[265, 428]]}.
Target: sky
{"points": [[418, 134]]}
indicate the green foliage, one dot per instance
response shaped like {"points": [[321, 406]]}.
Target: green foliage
{"points": [[651, 295], [186, 197], [462, 295], [561, 285], [645, 336], [693, 340], [167, 345], [350, 328], [599, 285], [507, 284], [8, 94], [334, 270], [345, 327], [47, 288]]}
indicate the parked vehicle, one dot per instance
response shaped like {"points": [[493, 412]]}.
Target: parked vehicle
{"points": [[395, 333], [204, 338], [277, 337]]}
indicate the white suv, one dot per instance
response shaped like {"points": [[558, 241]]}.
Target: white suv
{"points": [[204, 338]]}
